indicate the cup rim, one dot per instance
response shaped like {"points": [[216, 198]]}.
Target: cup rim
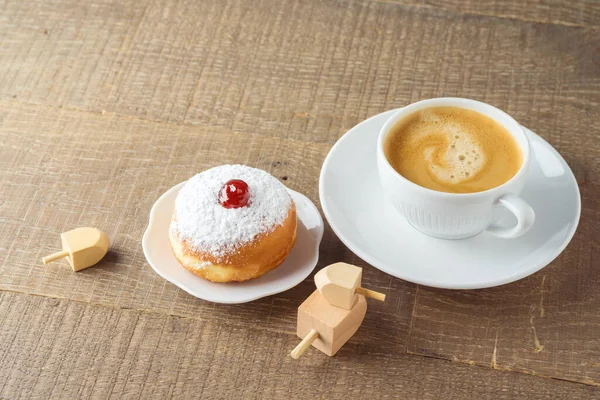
{"points": [[456, 102]]}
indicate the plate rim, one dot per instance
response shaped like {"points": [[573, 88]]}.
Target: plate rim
{"points": [[488, 284], [184, 287]]}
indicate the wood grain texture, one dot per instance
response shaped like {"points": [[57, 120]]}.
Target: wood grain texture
{"points": [[296, 69], [571, 13], [65, 350], [106, 104]]}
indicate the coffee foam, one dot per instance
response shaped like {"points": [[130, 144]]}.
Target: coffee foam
{"points": [[452, 149], [453, 153]]}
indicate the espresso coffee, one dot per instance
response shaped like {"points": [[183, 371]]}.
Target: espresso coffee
{"points": [[452, 149]]}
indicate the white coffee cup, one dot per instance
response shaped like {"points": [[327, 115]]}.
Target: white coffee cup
{"points": [[457, 215]]}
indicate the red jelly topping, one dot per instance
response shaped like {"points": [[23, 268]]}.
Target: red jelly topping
{"points": [[234, 194]]}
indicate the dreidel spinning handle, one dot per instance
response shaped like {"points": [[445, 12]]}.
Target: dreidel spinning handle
{"points": [[370, 293], [55, 256], [304, 344]]}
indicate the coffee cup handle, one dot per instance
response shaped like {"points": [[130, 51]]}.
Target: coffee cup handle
{"points": [[523, 211]]}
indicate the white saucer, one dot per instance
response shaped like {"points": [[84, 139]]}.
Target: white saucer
{"points": [[353, 203], [296, 267]]}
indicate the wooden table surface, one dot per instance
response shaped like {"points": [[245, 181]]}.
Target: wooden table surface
{"points": [[105, 104]]}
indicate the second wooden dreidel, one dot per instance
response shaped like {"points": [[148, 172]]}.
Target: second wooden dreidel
{"points": [[339, 283], [83, 247], [325, 326]]}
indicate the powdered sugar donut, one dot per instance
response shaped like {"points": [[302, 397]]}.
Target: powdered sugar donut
{"points": [[232, 223]]}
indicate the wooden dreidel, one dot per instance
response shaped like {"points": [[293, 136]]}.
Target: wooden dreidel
{"points": [[325, 326], [339, 283], [83, 247]]}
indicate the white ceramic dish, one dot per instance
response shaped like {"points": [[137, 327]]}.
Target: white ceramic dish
{"points": [[353, 203], [296, 267]]}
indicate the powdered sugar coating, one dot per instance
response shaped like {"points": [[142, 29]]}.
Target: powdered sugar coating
{"points": [[206, 226]]}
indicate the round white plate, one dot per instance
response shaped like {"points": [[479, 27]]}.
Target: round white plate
{"points": [[353, 203], [296, 267]]}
